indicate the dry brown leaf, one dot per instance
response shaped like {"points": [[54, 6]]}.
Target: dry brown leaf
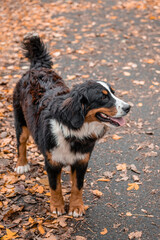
{"points": [[12, 210], [52, 237], [62, 221], [135, 235], [80, 238], [127, 74], [97, 193], [121, 167], [44, 181]]}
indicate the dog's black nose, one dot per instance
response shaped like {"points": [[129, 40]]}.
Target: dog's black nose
{"points": [[126, 109]]}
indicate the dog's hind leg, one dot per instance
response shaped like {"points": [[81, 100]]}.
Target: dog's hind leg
{"points": [[22, 134]]}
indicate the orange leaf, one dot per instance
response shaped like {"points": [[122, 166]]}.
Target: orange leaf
{"points": [[97, 193], [150, 61], [129, 214], [31, 220], [41, 229], [104, 231], [9, 235], [48, 194], [40, 189], [1, 205], [133, 186], [103, 180], [116, 137]]}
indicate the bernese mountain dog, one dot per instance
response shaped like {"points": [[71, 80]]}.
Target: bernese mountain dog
{"points": [[64, 123]]}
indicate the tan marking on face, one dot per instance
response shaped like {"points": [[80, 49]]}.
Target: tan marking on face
{"points": [[22, 160], [91, 115], [113, 90], [105, 92], [57, 202]]}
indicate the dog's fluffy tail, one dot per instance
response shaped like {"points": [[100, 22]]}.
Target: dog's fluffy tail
{"points": [[36, 51]]}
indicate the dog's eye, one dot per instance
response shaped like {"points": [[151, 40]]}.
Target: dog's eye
{"points": [[104, 96]]}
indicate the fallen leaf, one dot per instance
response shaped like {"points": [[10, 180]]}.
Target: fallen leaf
{"points": [[52, 237], [134, 235], [133, 186], [127, 74], [134, 169], [109, 174], [135, 178], [44, 181], [80, 238], [31, 220], [121, 167], [40, 189], [116, 137], [104, 231], [97, 193], [62, 221], [129, 214], [9, 235], [1, 205], [41, 229], [140, 104], [139, 82], [71, 77], [150, 61], [12, 210], [103, 180]]}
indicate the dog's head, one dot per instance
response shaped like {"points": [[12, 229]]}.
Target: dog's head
{"points": [[94, 101]]}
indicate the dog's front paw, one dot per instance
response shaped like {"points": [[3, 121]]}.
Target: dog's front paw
{"points": [[22, 169], [58, 209], [77, 211]]}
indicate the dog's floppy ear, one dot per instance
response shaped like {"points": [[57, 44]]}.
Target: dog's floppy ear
{"points": [[74, 108]]}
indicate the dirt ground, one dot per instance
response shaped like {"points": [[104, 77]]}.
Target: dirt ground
{"points": [[114, 41]]}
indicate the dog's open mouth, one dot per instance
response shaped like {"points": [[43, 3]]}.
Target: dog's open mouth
{"points": [[114, 121]]}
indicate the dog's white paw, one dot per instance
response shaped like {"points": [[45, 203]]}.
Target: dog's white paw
{"points": [[75, 214], [22, 169]]}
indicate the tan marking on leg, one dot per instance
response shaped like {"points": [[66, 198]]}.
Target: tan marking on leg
{"points": [[51, 161], [91, 115], [22, 160], [57, 202], [76, 207]]}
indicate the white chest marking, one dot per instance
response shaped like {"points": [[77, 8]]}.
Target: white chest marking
{"points": [[62, 153]]}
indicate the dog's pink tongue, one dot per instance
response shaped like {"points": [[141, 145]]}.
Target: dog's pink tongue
{"points": [[120, 121]]}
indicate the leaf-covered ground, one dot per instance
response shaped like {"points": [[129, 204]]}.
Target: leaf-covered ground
{"points": [[115, 41]]}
